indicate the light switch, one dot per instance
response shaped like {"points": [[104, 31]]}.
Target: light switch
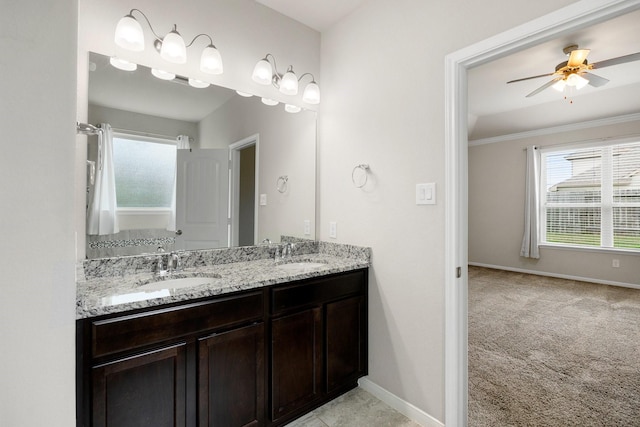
{"points": [[426, 194], [263, 200]]}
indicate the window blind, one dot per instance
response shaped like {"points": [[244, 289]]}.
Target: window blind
{"points": [[591, 196]]}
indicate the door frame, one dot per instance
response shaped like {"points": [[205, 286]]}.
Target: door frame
{"points": [[234, 185], [571, 18]]}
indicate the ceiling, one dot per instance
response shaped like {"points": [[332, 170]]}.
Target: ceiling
{"points": [[317, 14], [496, 108]]}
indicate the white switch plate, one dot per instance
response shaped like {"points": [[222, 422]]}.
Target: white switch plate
{"points": [[333, 230], [307, 227], [263, 200], [615, 263], [426, 194]]}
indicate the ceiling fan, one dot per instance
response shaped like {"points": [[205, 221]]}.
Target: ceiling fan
{"points": [[575, 72]]}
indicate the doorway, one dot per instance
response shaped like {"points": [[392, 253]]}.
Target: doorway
{"points": [[243, 192], [571, 18]]}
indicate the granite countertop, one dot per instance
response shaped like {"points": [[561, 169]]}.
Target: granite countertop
{"points": [[120, 293]]}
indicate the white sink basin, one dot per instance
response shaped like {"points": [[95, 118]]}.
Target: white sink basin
{"points": [[178, 283], [300, 267]]}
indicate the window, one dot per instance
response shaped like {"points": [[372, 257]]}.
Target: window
{"points": [[144, 171], [591, 196]]}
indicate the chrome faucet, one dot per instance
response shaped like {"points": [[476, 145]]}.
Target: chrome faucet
{"points": [[174, 262], [287, 250], [160, 271]]}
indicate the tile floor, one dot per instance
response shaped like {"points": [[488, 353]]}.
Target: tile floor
{"points": [[356, 408]]}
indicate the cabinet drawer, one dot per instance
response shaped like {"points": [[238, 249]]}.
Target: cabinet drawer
{"points": [[317, 291], [123, 333]]}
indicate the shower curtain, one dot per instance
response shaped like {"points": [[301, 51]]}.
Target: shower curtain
{"points": [[101, 214], [532, 201], [182, 142]]}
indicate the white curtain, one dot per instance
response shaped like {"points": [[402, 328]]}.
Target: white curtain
{"points": [[101, 213], [182, 142], [532, 201]]}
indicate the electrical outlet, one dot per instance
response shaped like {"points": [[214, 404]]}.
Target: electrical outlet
{"points": [[615, 263], [333, 230], [307, 227]]}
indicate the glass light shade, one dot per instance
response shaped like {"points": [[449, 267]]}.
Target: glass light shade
{"points": [[269, 102], [262, 73], [129, 34], [311, 94], [173, 48], [289, 83], [559, 85], [577, 80], [163, 75], [121, 64], [198, 83], [245, 94], [292, 108], [211, 61]]}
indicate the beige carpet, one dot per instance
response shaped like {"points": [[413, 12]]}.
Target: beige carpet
{"points": [[552, 352]]}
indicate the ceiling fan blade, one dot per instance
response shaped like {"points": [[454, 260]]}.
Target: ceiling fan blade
{"points": [[595, 81], [544, 86], [532, 77], [615, 61], [577, 57]]}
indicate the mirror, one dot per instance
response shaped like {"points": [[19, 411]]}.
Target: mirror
{"points": [[269, 162]]}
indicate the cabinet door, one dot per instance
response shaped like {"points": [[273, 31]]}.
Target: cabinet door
{"points": [[296, 358], [231, 378], [143, 390], [346, 341]]}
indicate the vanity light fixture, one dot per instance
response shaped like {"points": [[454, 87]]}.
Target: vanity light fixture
{"points": [[162, 75], [245, 94], [121, 64], [289, 108], [266, 73], [269, 102], [198, 83], [172, 48]]}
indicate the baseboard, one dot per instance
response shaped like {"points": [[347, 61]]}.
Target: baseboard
{"points": [[559, 276], [400, 405]]}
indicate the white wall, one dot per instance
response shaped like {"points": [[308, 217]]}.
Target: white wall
{"points": [[37, 306], [383, 104], [496, 211]]}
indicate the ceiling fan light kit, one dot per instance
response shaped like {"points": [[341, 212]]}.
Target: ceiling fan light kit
{"points": [[574, 74]]}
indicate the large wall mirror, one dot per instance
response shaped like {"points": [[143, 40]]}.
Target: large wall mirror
{"points": [[248, 174]]}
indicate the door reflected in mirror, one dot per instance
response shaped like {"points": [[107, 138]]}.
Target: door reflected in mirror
{"points": [[226, 183]]}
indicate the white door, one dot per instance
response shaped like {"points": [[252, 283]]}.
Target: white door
{"points": [[202, 198]]}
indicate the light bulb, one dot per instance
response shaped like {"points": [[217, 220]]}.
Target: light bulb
{"points": [[245, 94], [211, 61], [262, 73], [198, 83], [577, 80], [292, 108], [289, 83], [129, 34], [269, 102], [121, 64], [311, 93], [162, 75], [559, 85], [173, 48]]}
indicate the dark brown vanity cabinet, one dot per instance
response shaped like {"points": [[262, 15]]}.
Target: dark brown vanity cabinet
{"points": [[259, 358], [318, 342]]}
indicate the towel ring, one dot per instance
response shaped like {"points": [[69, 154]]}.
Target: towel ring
{"points": [[365, 168], [281, 183]]}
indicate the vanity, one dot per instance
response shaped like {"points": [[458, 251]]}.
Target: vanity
{"points": [[256, 343]]}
